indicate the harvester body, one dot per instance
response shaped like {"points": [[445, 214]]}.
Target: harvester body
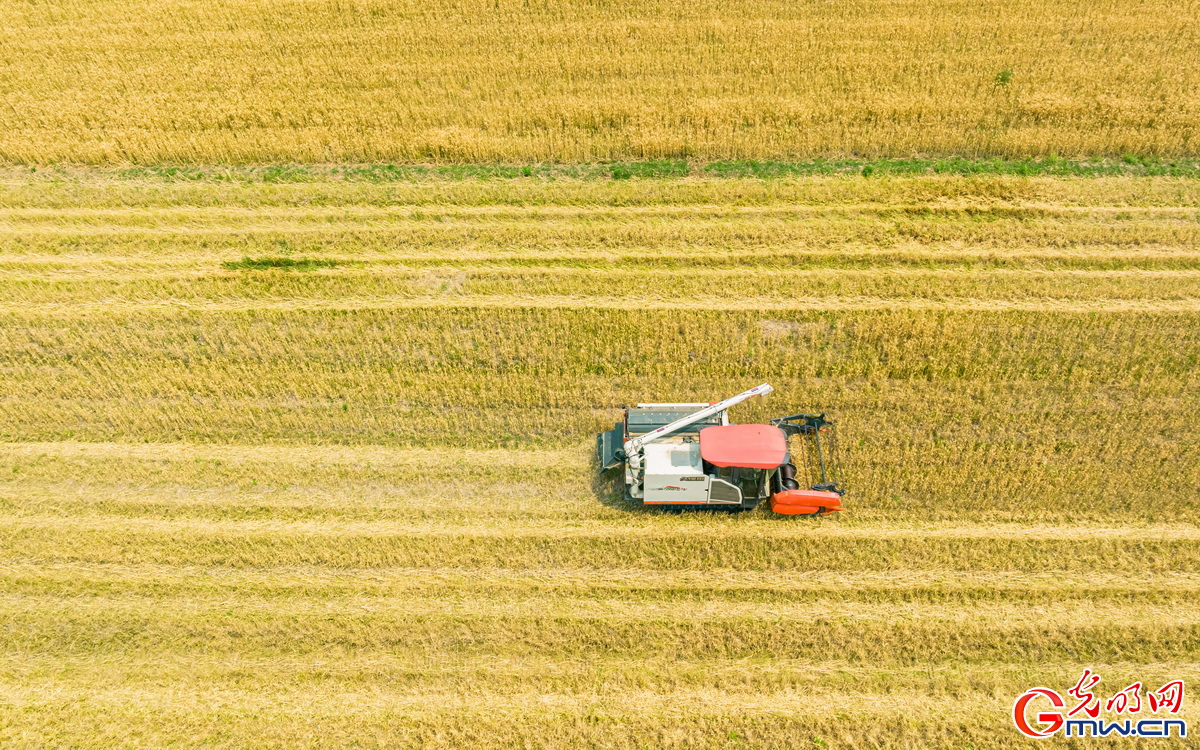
{"points": [[688, 454]]}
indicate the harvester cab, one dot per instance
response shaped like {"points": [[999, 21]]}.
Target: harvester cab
{"points": [[683, 454]]}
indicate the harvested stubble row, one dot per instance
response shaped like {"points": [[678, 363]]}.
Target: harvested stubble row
{"points": [[309, 463]]}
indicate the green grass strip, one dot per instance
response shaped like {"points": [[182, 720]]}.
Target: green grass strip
{"points": [[1135, 166]]}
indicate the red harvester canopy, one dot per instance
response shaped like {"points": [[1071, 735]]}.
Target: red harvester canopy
{"points": [[751, 446]]}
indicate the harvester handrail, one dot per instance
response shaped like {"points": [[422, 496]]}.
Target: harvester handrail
{"points": [[634, 446]]}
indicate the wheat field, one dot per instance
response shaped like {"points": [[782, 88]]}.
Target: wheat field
{"points": [[302, 81], [309, 463]]}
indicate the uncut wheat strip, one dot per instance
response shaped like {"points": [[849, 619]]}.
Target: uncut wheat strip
{"points": [[541, 229], [298, 223], [370, 666], [227, 629], [187, 604], [533, 673], [653, 525], [167, 255], [321, 700], [84, 186], [111, 272], [1050, 304], [359, 174], [221, 212], [1001, 286], [432, 238], [815, 191], [710, 579]]}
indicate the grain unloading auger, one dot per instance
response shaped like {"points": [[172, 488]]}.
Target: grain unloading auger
{"points": [[682, 454]]}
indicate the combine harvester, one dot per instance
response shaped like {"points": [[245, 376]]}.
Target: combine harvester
{"points": [[675, 455]]}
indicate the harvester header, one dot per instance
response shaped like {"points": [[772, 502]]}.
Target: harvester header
{"points": [[688, 454]]}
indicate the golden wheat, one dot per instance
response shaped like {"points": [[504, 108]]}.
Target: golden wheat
{"points": [[310, 464], [239, 81]]}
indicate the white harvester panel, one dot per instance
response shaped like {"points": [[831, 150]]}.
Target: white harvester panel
{"points": [[666, 446], [674, 473]]}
